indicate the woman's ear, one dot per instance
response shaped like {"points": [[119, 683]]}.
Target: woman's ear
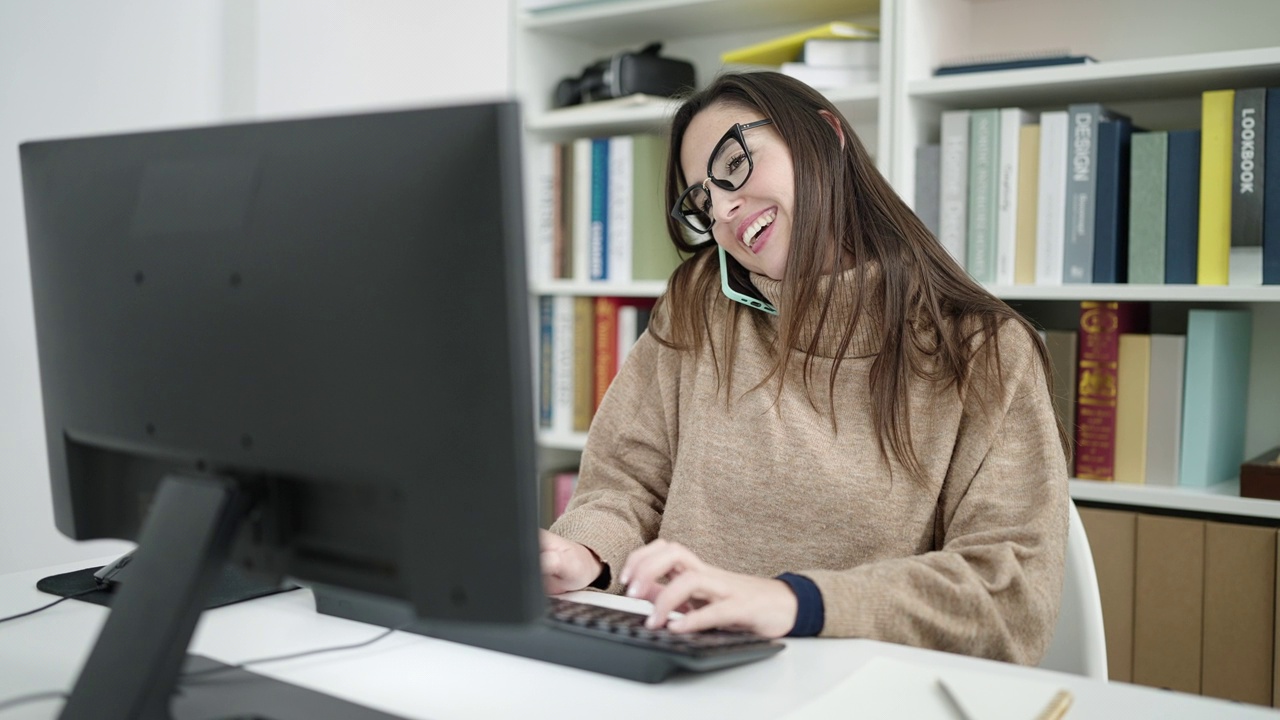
{"points": [[835, 125]]}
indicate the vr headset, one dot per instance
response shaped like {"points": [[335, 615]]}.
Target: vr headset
{"points": [[627, 73]]}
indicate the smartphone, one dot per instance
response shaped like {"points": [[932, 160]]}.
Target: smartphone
{"points": [[732, 288]]}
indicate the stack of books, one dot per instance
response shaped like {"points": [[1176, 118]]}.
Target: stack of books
{"points": [[834, 55]]}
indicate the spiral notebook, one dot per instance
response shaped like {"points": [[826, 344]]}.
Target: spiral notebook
{"points": [[888, 689]]}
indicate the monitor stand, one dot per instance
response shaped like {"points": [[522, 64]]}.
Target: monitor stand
{"points": [[133, 671]]}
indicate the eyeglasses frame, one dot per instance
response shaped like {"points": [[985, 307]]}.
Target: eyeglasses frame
{"points": [[736, 133]]}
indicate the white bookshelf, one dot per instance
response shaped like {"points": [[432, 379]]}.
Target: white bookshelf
{"points": [[1153, 64]]}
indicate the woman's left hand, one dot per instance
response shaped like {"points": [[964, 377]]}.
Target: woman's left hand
{"points": [[671, 577]]}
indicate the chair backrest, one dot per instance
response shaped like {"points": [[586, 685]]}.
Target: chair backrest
{"points": [[1079, 645]]}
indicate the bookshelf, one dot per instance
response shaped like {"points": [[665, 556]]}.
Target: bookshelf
{"points": [[1153, 65]]}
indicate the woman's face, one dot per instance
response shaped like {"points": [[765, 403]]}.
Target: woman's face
{"points": [[752, 223]]}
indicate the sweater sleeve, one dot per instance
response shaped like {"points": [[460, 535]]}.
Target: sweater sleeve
{"points": [[992, 587], [626, 464]]}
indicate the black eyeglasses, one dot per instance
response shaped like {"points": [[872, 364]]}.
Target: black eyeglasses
{"points": [[728, 168]]}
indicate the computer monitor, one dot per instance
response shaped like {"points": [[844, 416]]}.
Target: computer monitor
{"points": [[302, 345]]}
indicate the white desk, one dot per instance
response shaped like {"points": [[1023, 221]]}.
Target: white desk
{"points": [[419, 677]]}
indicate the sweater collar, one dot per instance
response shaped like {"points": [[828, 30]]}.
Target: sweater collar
{"points": [[867, 336]]}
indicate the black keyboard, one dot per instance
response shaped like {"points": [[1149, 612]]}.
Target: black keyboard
{"points": [[628, 627], [589, 637]]}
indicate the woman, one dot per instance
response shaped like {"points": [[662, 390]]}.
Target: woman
{"points": [[842, 433]]}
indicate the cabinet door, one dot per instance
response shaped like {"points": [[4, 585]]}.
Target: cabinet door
{"points": [[1112, 537], [1168, 608], [1239, 612]]}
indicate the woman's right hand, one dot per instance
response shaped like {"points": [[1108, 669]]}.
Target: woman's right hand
{"points": [[566, 565]]}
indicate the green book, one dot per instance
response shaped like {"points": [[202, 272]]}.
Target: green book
{"points": [[984, 164], [1149, 163], [653, 257]]}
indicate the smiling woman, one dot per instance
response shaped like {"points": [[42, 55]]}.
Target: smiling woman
{"points": [[875, 455]]}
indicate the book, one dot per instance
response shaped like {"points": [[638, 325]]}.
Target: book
{"points": [[953, 191], [1133, 385], [582, 149], [1062, 360], [1097, 380], [546, 360], [542, 240], [1271, 200], [620, 207], [1248, 150], [826, 78], [840, 52], [984, 166], [653, 257], [1164, 408], [584, 318], [563, 484], [928, 185], [1012, 62], [1148, 183], [598, 247], [1082, 186], [564, 212], [1214, 242], [1024, 254], [562, 351], [1182, 208], [606, 340], [1215, 394], [788, 47], [1111, 209], [1011, 122], [1052, 203]]}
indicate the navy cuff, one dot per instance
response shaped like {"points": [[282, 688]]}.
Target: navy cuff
{"points": [[810, 613]]}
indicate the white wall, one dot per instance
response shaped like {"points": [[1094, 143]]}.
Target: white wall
{"points": [[76, 67]]}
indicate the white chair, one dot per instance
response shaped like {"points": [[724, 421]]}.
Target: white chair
{"points": [[1079, 645]]}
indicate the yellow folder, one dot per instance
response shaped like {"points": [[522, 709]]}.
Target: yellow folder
{"points": [[787, 48]]}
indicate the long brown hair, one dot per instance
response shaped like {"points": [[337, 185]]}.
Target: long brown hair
{"points": [[935, 318]]}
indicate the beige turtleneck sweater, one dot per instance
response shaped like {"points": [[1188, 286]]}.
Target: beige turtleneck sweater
{"points": [[970, 560]]}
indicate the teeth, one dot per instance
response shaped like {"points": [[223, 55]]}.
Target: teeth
{"points": [[749, 236]]}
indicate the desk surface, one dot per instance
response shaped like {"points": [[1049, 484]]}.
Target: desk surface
{"points": [[419, 677]]}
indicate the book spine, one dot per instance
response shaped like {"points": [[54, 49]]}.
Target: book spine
{"points": [[1024, 254], [1248, 153], [1215, 396], [626, 331], [1164, 408], [653, 257], [1101, 325], [1082, 183], [621, 207], [606, 336], [542, 245], [1213, 259], [546, 360], [582, 151], [584, 320], [928, 187], [1147, 186], [599, 209], [1111, 213], [831, 52], [1063, 356], [564, 485], [1182, 208], [1010, 121], [1051, 220], [1271, 202], [562, 377], [1133, 385], [984, 163], [953, 218], [564, 212]]}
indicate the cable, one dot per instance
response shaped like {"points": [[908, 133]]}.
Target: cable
{"points": [[14, 702], [46, 607], [290, 656]]}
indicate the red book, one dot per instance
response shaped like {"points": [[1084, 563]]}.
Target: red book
{"points": [[606, 346], [1101, 325], [564, 485]]}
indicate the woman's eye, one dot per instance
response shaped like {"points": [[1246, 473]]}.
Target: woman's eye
{"points": [[735, 162]]}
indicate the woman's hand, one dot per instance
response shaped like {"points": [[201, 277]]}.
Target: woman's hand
{"points": [[566, 565], [671, 577]]}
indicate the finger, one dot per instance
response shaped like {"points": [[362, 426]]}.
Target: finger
{"points": [[680, 591], [639, 556], [648, 574], [726, 613], [552, 562]]}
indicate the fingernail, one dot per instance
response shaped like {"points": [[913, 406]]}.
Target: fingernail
{"points": [[624, 579], [632, 591], [651, 622], [676, 624]]}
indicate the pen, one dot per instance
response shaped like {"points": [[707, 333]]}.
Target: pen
{"points": [[1055, 710]]}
